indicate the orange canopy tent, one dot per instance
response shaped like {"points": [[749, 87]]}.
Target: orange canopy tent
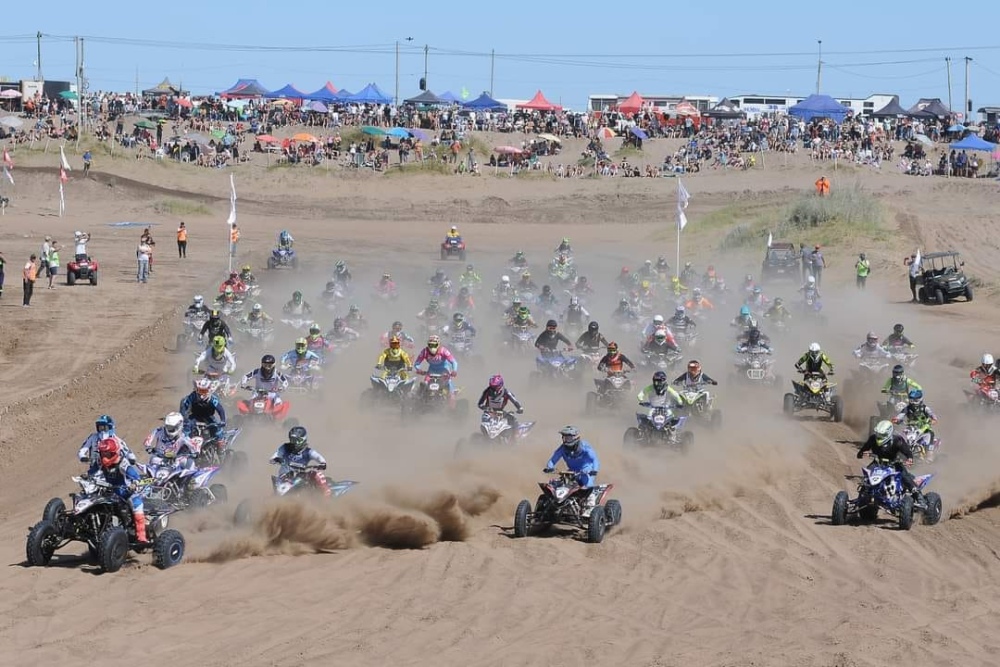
{"points": [[633, 104], [685, 108], [539, 103]]}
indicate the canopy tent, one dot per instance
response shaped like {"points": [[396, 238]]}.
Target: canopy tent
{"points": [[972, 143], [164, 88], [890, 110], [633, 104], [449, 96], [245, 88], [819, 106], [325, 94], [539, 103], [685, 108], [370, 94], [288, 92], [343, 95], [485, 103], [426, 97], [928, 108], [725, 109]]}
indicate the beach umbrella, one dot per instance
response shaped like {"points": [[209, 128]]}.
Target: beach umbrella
{"points": [[10, 94], [374, 131], [924, 139], [266, 139], [605, 133], [550, 137], [68, 95], [400, 132], [302, 136], [13, 122], [184, 103], [419, 134], [957, 128], [146, 124], [507, 150], [638, 132], [316, 106], [218, 134]]}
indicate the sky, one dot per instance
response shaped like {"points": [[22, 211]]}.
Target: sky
{"points": [[569, 51]]}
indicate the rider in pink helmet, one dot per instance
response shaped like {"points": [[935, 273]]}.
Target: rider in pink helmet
{"points": [[496, 396]]}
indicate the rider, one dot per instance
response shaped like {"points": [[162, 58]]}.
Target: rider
{"points": [[897, 339], [899, 385], [756, 299], [228, 296], [592, 339], [124, 478], [651, 328], [582, 286], [525, 283], [197, 307], [660, 394], [503, 288], [354, 318], [625, 280], [698, 301], [754, 339], [315, 340], [167, 445], [579, 456], [397, 331], [285, 240], [463, 300], [547, 299], [745, 319], [385, 284], [523, 318], [681, 320], [676, 286], [296, 453], [342, 274], [694, 376], [647, 271], [440, 361], [564, 248], [709, 278], [438, 279], [300, 357], [662, 267], [777, 311], [987, 371], [453, 233], [688, 275], [104, 428], [662, 343], [235, 282], [624, 312], [461, 327], [266, 378], [613, 362], [341, 333], [495, 398], [297, 306], [547, 342], [886, 445], [519, 260], [257, 316], [215, 358], [204, 407], [748, 284], [809, 290], [575, 313], [432, 313], [918, 414], [247, 276], [470, 278], [870, 349], [812, 362], [394, 359]]}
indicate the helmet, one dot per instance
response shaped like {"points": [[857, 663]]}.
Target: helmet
{"points": [[696, 291], [454, 228], [897, 329], [496, 384], [679, 311], [648, 262], [172, 425], [464, 291], [574, 301], [339, 324], [516, 302], [340, 266], [354, 309], [551, 325], [470, 267], [565, 241], [386, 276], [916, 396], [233, 275], [657, 319], [105, 424], [871, 338], [593, 327], [778, 301], [645, 284], [757, 290], [505, 279], [811, 280], [394, 343], [570, 438], [203, 387], [257, 309], [546, 289], [433, 304], [433, 343], [582, 280], [897, 371], [659, 381], [987, 360], [694, 367], [297, 438], [749, 278], [314, 329], [397, 326], [624, 271], [883, 432], [218, 343], [109, 452], [814, 349], [296, 296], [753, 336], [267, 366], [660, 336], [526, 275], [687, 265], [612, 347], [458, 318], [228, 291], [523, 311], [623, 303], [744, 311], [301, 345], [439, 273], [199, 300], [519, 254], [213, 314]]}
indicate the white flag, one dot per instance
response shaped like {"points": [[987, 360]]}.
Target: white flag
{"points": [[916, 259], [7, 175], [62, 157], [770, 239], [682, 203], [232, 201]]}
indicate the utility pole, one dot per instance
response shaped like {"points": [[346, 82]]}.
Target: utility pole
{"points": [[493, 62], [396, 97], [819, 66], [79, 89], [38, 62], [967, 113], [426, 49], [947, 61]]}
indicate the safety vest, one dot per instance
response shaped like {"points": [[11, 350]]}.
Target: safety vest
{"points": [[864, 267]]}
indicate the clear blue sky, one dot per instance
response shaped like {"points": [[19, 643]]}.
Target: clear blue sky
{"points": [[867, 49]]}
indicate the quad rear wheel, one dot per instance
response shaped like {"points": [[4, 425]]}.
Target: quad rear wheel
{"points": [[168, 549], [42, 539], [521, 527], [838, 516], [112, 548], [596, 525]]}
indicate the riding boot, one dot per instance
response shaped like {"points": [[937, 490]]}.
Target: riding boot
{"points": [[139, 517], [323, 483]]}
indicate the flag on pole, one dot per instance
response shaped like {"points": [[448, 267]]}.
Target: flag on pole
{"points": [[7, 175], [63, 178], [682, 203], [916, 258], [232, 201], [7, 162], [770, 239], [63, 160]]}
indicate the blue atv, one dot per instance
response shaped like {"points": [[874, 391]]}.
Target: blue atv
{"points": [[283, 258], [556, 366], [881, 489]]}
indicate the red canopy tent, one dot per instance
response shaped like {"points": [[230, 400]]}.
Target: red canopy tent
{"points": [[685, 108], [633, 104], [539, 103]]}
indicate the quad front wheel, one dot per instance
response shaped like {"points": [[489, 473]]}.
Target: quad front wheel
{"points": [[53, 510], [168, 549], [788, 404], [596, 525], [906, 513], [932, 513], [112, 548], [632, 438], [41, 543], [613, 511], [837, 409], [838, 516], [521, 518]]}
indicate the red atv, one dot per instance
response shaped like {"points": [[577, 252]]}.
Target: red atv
{"points": [[261, 408], [453, 247], [81, 268]]}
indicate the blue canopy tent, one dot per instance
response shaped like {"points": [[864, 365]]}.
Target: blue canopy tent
{"points": [[819, 106], [485, 103], [370, 94], [972, 143], [288, 92], [325, 94], [450, 97], [245, 88], [343, 95]]}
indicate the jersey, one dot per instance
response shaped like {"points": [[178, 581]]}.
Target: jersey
{"points": [[490, 401], [207, 362], [254, 380], [401, 362], [290, 460]]}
